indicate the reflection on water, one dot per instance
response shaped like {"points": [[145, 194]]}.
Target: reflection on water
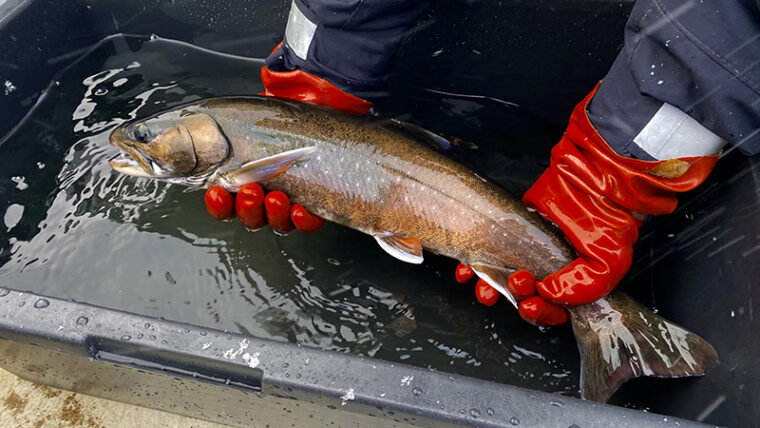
{"points": [[73, 228]]}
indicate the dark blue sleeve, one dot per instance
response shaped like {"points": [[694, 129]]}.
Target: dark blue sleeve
{"points": [[354, 42], [701, 56]]}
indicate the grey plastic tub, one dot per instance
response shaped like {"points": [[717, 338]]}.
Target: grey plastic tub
{"points": [[698, 265]]}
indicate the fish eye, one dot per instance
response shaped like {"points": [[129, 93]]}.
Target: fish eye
{"points": [[141, 133]]}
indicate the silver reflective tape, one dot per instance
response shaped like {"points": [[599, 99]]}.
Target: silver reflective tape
{"points": [[671, 133], [299, 32]]}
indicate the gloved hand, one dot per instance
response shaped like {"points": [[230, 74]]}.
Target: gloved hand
{"points": [[254, 209], [598, 199]]}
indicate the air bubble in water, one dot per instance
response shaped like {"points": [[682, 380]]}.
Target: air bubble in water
{"points": [[475, 413], [490, 411], [41, 303], [514, 421], [82, 321]]}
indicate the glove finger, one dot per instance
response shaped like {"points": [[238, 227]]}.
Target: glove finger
{"points": [[277, 207], [486, 294], [522, 284], [305, 221], [219, 202], [538, 311], [249, 206], [463, 273]]}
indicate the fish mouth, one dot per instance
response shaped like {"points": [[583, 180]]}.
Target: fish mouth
{"points": [[130, 160], [124, 164]]}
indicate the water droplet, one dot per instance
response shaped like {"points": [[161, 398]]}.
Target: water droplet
{"points": [[285, 365], [22, 304], [147, 325], [126, 337], [152, 337], [490, 411], [203, 333], [462, 411], [20, 182], [451, 378], [153, 37], [40, 165], [475, 413], [416, 391], [100, 91], [82, 321], [4, 292], [41, 303], [514, 421], [140, 336]]}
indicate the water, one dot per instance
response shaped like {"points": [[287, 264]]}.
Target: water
{"points": [[76, 229]]}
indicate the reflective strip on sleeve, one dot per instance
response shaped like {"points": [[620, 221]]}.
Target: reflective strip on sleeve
{"points": [[299, 32], [671, 133]]}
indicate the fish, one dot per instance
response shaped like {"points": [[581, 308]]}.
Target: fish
{"points": [[390, 180]]}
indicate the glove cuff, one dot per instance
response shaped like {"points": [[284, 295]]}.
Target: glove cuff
{"points": [[300, 85], [583, 159]]}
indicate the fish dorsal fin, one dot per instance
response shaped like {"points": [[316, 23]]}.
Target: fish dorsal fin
{"points": [[497, 277], [620, 340], [405, 249], [263, 169]]}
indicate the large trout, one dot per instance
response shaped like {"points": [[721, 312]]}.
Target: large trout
{"points": [[384, 180]]}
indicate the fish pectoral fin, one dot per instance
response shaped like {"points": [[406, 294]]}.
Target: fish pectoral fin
{"points": [[263, 169], [497, 277], [405, 249]]}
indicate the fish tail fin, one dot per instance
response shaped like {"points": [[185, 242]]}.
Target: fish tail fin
{"points": [[619, 340]]}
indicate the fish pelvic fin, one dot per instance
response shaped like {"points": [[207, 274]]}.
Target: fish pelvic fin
{"points": [[263, 169], [620, 340], [405, 249], [497, 277]]}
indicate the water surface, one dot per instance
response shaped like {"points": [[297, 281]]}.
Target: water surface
{"points": [[73, 228]]}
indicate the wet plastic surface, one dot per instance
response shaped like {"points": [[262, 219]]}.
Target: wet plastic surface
{"points": [[696, 266], [234, 379]]}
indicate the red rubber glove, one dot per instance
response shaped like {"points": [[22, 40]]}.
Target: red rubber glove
{"points": [[302, 86], [254, 209], [595, 196]]}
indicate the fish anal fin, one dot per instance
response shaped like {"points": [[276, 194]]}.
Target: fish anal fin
{"points": [[619, 340], [405, 249], [497, 277], [263, 169]]}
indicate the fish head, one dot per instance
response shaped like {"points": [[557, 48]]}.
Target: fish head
{"points": [[182, 146]]}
